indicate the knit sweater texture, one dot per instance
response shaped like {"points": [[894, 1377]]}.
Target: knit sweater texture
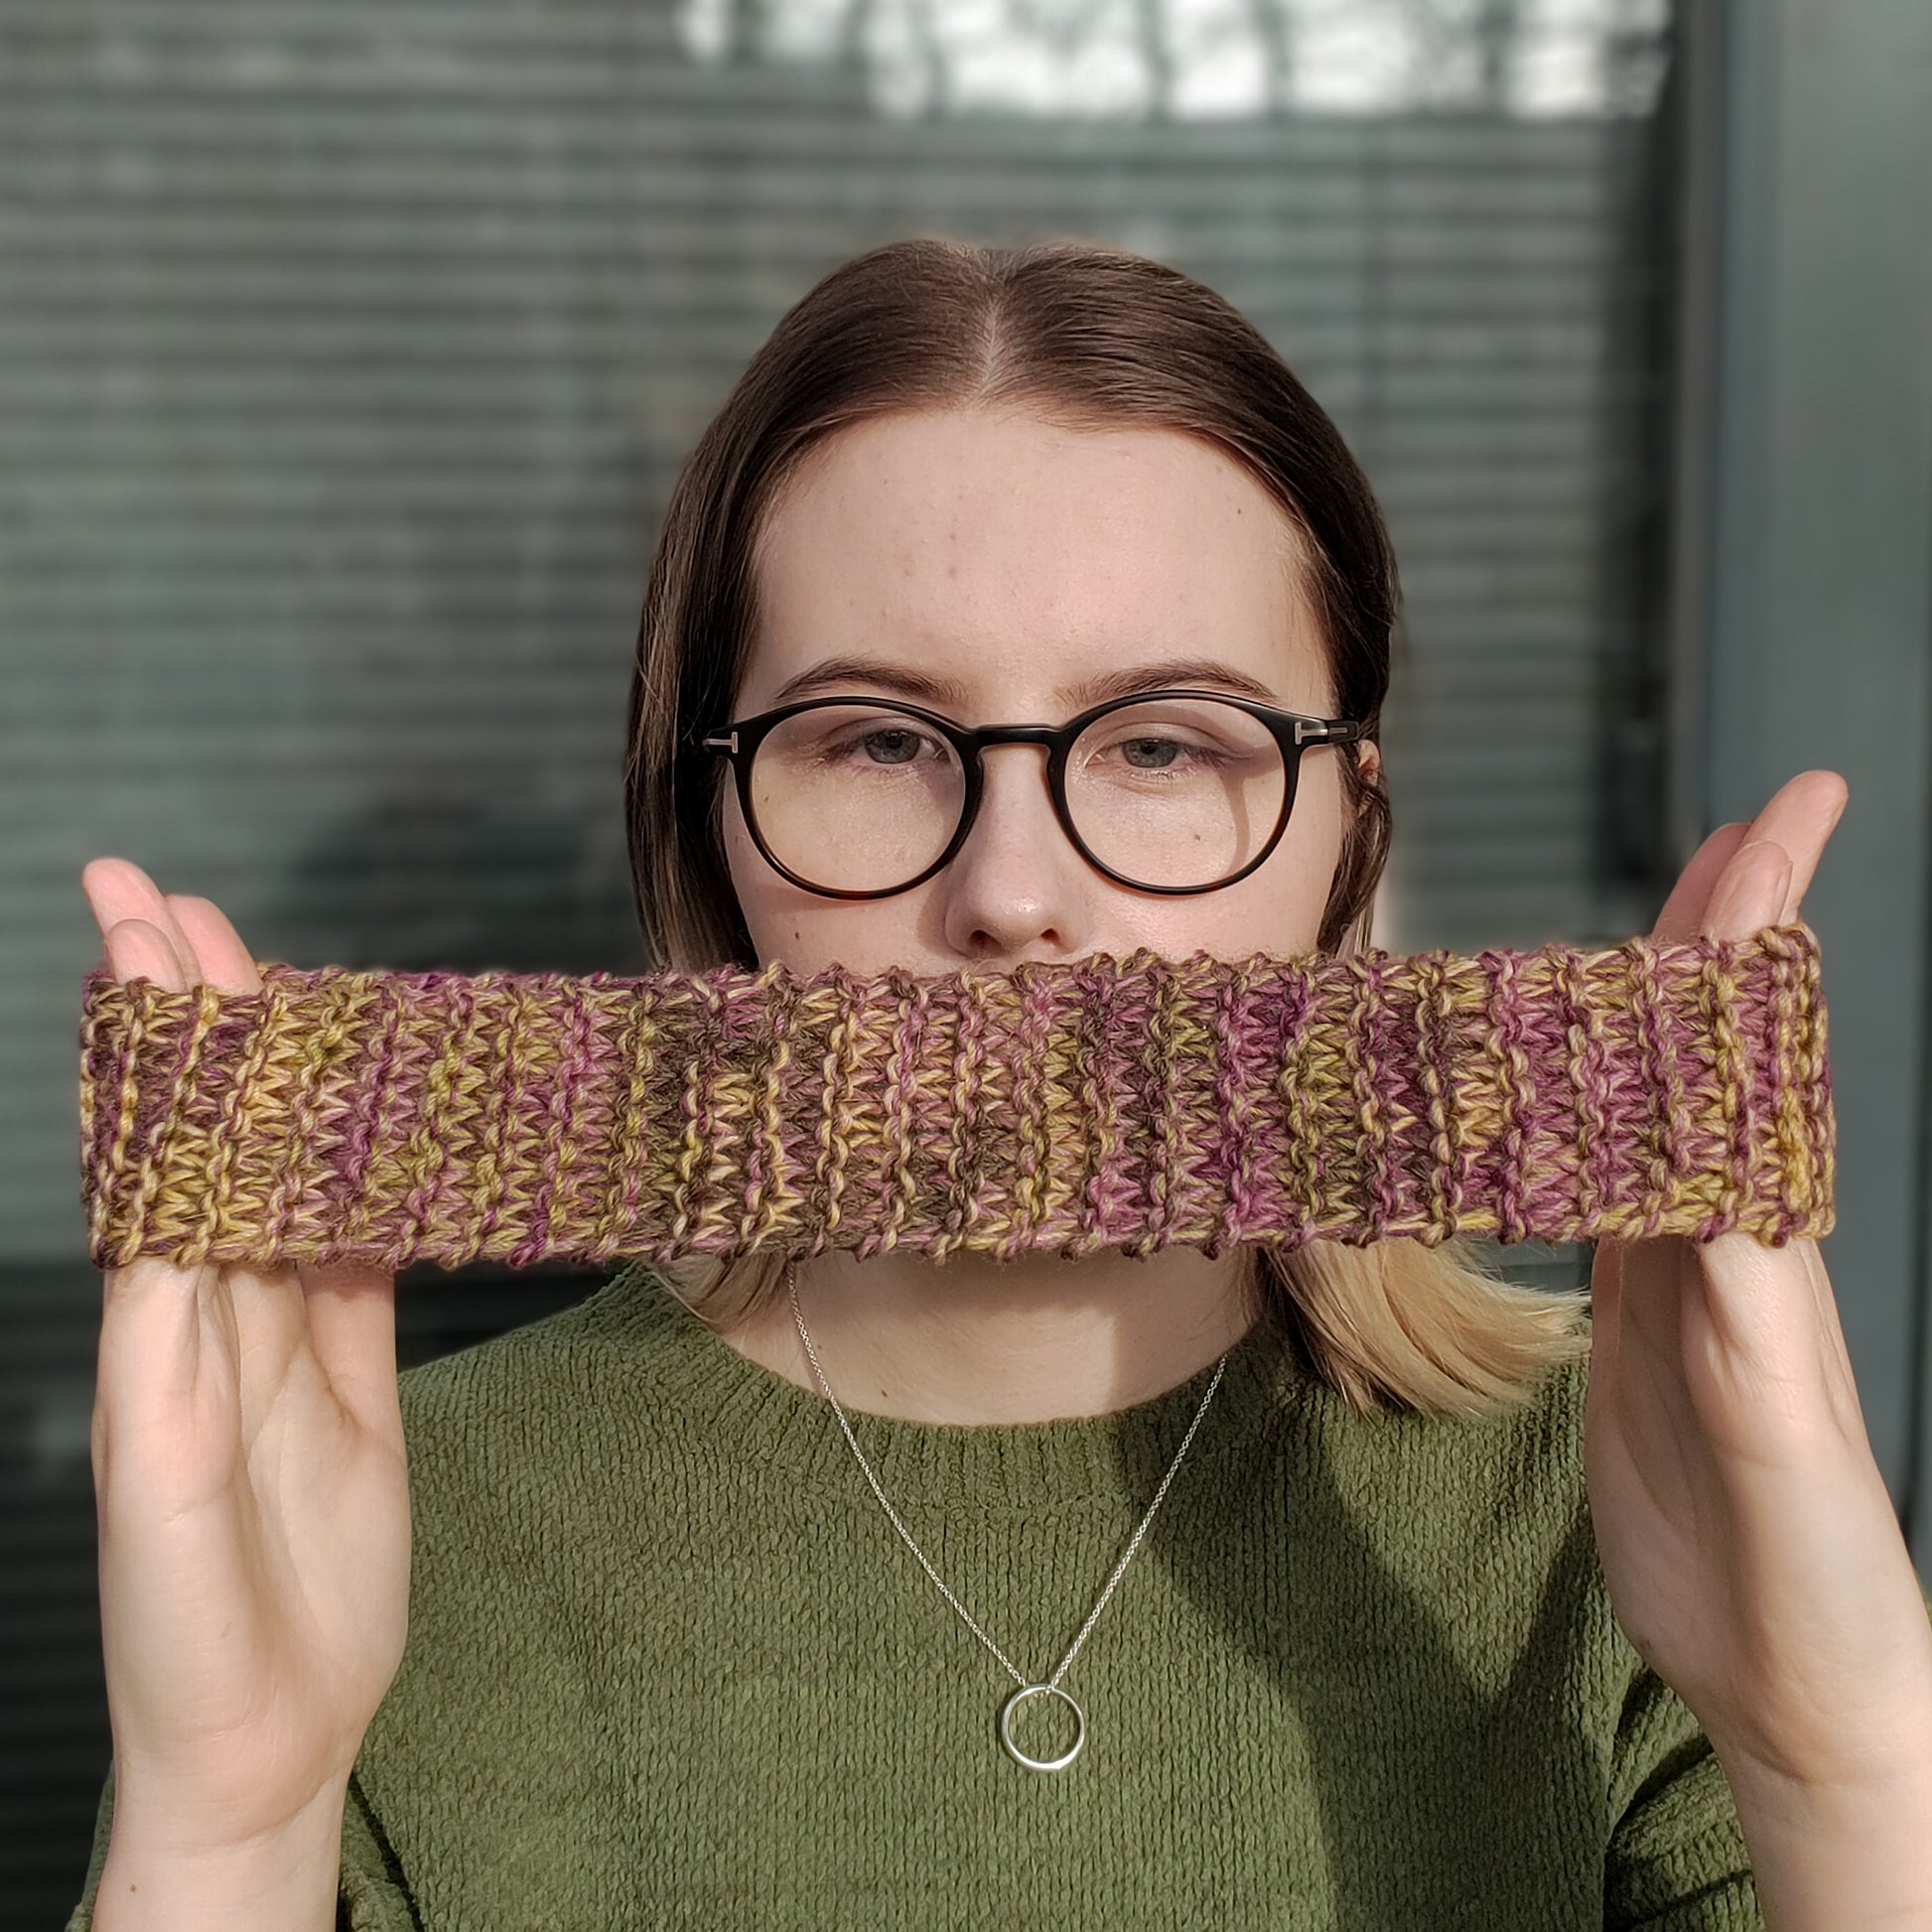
{"points": [[669, 1664]]}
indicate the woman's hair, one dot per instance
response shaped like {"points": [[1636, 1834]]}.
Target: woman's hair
{"points": [[1090, 336]]}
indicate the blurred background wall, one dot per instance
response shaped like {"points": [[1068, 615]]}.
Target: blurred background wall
{"points": [[348, 354]]}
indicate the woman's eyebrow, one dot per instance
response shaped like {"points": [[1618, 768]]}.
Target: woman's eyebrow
{"points": [[926, 687]]}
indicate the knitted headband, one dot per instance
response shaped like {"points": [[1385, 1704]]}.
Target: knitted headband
{"points": [[1555, 1094]]}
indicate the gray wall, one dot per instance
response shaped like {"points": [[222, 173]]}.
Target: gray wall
{"points": [[1804, 599]]}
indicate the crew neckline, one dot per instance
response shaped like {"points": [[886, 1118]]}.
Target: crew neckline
{"points": [[755, 1418]]}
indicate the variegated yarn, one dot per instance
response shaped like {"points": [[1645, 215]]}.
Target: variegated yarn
{"points": [[1133, 1101]]}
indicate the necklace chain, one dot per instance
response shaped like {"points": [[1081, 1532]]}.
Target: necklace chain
{"points": [[1026, 1690]]}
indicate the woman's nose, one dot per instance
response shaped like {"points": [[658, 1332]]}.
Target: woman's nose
{"points": [[1016, 878], [1015, 796]]}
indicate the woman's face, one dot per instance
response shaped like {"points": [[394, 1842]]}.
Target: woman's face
{"points": [[1008, 561]]}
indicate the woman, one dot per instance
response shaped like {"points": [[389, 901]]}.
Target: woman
{"points": [[643, 1638]]}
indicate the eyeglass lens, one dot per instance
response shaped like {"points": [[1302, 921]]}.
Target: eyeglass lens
{"points": [[1168, 791]]}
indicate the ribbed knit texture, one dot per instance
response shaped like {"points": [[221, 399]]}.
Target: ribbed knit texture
{"points": [[1135, 1102], [670, 1666]]}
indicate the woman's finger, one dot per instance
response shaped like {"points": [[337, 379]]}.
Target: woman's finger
{"points": [[138, 949], [120, 892], [1757, 888], [224, 961], [1684, 909], [1796, 821]]}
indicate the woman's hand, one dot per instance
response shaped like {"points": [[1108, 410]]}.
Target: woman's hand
{"points": [[1752, 1554], [251, 1490]]}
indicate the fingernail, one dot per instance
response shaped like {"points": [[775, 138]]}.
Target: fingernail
{"points": [[1747, 902], [1769, 898]]}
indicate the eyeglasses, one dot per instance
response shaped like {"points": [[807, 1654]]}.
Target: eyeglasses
{"points": [[1167, 792]]}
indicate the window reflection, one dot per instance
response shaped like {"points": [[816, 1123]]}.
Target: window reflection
{"points": [[1206, 59]]}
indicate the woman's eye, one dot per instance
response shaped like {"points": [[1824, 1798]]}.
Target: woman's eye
{"points": [[1146, 754], [891, 747], [879, 749]]}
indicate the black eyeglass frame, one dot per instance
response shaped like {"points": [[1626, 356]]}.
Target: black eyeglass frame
{"points": [[1294, 732]]}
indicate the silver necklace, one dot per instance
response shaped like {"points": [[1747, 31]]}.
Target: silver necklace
{"points": [[1051, 1687]]}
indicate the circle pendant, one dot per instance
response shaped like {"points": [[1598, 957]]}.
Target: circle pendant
{"points": [[1013, 1752]]}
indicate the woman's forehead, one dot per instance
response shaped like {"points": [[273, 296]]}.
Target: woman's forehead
{"points": [[1010, 548]]}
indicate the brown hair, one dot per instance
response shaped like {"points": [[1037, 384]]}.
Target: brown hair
{"points": [[1090, 336]]}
